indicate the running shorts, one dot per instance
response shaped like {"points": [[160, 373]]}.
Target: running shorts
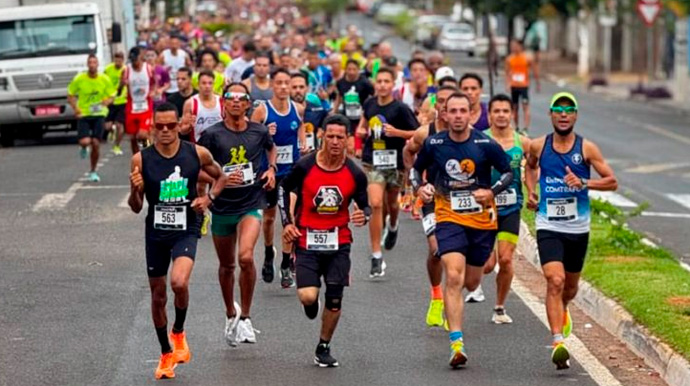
{"points": [[159, 253], [569, 249], [509, 227], [475, 244], [334, 267]]}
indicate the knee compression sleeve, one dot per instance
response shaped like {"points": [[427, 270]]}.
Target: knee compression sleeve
{"points": [[334, 297]]}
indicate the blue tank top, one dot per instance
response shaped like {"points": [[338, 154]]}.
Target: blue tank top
{"points": [[561, 208], [285, 139]]}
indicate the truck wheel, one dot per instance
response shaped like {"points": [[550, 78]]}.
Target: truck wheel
{"points": [[7, 136]]}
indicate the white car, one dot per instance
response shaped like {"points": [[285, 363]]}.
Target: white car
{"points": [[458, 37]]}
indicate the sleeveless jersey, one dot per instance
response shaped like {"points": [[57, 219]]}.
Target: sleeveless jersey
{"points": [[511, 199], [170, 188], [172, 64], [258, 94], [519, 70], [561, 208], [139, 86], [205, 117], [286, 139]]}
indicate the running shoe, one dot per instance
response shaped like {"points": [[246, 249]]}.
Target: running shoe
{"points": [[268, 272], [560, 356], [181, 353], [245, 331], [323, 357], [93, 177], [166, 366], [117, 150], [406, 202], [378, 267], [500, 316], [458, 357], [286, 280], [476, 296], [231, 327], [567, 323], [83, 152], [312, 310], [390, 240], [434, 317], [205, 224]]}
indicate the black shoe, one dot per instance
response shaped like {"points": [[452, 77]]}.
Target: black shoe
{"points": [[390, 240], [378, 267], [323, 357], [312, 311], [268, 272]]}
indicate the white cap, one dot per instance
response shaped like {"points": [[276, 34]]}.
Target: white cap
{"points": [[444, 72]]}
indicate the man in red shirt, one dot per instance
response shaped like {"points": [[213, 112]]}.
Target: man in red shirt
{"points": [[140, 82], [325, 182]]}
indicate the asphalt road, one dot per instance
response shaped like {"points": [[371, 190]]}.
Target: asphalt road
{"points": [[647, 145]]}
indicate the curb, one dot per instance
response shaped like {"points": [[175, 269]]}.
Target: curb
{"points": [[672, 367]]}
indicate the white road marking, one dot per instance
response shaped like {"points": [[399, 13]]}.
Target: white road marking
{"points": [[657, 130], [52, 201], [682, 199], [599, 373], [613, 198], [658, 168], [666, 214]]}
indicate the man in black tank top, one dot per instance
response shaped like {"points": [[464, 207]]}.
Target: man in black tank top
{"points": [[166, 174], [434, 316]]}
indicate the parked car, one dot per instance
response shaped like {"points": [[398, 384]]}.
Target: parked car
{"points": [[427, 29], [458, 37], [387, 12]]}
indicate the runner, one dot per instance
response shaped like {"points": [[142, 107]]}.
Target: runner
{"points": [[184, 92], [518, 67], [202, 110], [233, 73], [444, 77], [166, 174], [208, 60], [174, 59], [320, 77], [89, 95], [353, 90], [471, 85], [284, 120], [461, 159], [315, 110], [240, 146], [386, 124], [562, 161], [434, 316], [326, 183], [138, 78], [259, 84], [509, 202], [115, 121], [160, 75], [435, 61], [414, 92]]}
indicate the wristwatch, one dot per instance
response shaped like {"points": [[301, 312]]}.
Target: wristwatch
{"points": [[212, 196], [584, 182]]}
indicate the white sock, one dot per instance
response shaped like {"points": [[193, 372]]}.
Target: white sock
{"points": [[377, 255]]}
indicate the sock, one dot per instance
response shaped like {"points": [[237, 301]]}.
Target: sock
{"points": [[244, 317], [436, 292], [377, 255], [180, 316], [162, 333], [455, 335], [558, 338], [392, 228], [269, 252], [285, 264], [323, 344]]}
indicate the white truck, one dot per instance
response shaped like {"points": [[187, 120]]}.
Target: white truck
{"points": [[43, 45]]}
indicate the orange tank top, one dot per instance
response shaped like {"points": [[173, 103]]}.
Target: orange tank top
{"points": [[518, 67]]}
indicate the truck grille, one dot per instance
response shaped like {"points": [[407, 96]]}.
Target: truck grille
{"points": [[44, 81]]}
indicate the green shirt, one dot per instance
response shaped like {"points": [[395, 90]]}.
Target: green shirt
{"points": [[224, 58], [218, 82], [115, 76], [90, 93]]}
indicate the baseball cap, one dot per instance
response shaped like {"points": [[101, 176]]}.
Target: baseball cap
{"points": [[444, 72], [563, 95]]}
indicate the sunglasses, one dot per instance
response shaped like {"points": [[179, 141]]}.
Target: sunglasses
{"points": [[162, 126], [236, 95], [564, 109]]}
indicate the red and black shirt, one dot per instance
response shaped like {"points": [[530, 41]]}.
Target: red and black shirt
{"points": [[323, 197]]}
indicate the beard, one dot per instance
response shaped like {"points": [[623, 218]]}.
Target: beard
{"points": [[299, 98], [564, 133]]}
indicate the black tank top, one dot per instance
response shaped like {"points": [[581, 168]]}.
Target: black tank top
{"points": [[170, 188]]}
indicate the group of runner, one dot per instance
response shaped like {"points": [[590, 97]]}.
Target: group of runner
{"points": [[277, 125]]}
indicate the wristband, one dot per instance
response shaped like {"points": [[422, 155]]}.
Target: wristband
{"points": [[274, 167]]}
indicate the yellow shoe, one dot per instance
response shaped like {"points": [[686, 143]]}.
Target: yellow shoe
{"points": [[434, 317], [567, 324], [181, 353], [205, 223], [166, 367], [560, 356]]}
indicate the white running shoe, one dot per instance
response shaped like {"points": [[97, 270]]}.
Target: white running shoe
{"points": [[476, 296], [246, 332], [231, 327], [500, 316]]}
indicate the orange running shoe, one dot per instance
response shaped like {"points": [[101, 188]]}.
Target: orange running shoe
{"points": [[181, 352], [406, 202], [166, 367]]}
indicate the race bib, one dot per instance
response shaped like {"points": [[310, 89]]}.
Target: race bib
{"points": [[519, 78], [322, 240], [96, 108], [463, 202], [247, 173], [385, 159], [284, 154], [353, 110], [429, 223], [170, 218], [561, 209], [140, 107], [506, 198], [311, 143]]}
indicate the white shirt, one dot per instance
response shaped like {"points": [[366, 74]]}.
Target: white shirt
{"points": [[234, 71]]}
